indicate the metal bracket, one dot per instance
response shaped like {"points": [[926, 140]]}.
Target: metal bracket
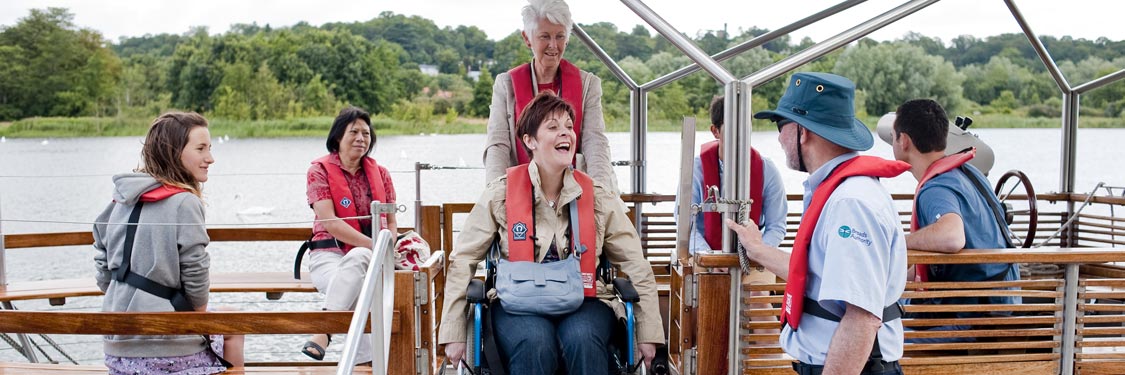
{"points": [[421, 289], [691, 293], [716, 207], [689, 362], [421, 362]]}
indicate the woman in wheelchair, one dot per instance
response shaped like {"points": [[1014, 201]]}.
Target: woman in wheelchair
{"points": [[546, 299]]}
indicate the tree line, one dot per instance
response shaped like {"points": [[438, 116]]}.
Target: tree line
{"points": [[53, 67]]}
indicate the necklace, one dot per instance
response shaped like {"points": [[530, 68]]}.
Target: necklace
{"points": [[552, 202]]}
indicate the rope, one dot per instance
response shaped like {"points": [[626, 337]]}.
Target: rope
{"points": [[1072, 216], [743, 212]]}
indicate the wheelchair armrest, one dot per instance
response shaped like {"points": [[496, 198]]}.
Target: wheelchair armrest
{"points": [[625, 290], [476, 293]]}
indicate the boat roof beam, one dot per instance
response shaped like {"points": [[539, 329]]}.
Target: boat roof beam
{"points": [[681, 42], [836, 42], [604, 57], [1104, 80], [1039, 48], [753, 43]]}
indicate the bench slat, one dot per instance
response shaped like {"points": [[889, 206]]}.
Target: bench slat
{"points": [[171, 323]]}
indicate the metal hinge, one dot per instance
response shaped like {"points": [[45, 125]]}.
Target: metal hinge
{"points": [[691, 292], [421, 362], [689, 362], [421, 288]]}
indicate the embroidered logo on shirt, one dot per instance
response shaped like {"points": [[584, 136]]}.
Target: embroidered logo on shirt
{"points": [[519, 231], [858, 235], [345, 202]]}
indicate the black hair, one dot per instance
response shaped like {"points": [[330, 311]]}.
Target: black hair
{"points": [[717, 112], [926, 123], [346, 117]]}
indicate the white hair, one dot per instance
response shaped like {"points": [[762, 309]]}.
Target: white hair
{"points": [[555, 11]]}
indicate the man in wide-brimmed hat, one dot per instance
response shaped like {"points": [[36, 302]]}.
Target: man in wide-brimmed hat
{"points": [[847, 270]]}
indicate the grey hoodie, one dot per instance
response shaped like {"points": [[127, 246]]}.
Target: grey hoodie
{"points": [[171, 255]]}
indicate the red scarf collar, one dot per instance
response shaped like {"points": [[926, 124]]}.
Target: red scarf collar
{"points": [[794, 302], [939, 166]]}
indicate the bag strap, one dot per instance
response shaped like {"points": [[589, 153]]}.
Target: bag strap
{"points": [[496, 364], [124, 274], [997, 211]]}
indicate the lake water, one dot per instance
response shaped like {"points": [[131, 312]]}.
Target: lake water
{"points": [[66, 182]]}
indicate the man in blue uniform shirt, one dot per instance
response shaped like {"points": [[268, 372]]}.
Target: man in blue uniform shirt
{"points": [[774, 205], [954, 209], [847, 269]]}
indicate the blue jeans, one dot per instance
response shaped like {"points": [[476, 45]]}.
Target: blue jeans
{"points": [[532, 343]]}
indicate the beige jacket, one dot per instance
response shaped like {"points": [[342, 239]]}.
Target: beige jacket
{"points": [[499, 153], [616, 236]]}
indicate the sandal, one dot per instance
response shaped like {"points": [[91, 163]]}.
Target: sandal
{"points": [[320, 351]]}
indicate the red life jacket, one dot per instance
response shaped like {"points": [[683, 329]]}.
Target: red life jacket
{"points": [[521, 222], [794, 302], [570, 91], [713, 221], [342, 197], [939, 166], [161, 193]]}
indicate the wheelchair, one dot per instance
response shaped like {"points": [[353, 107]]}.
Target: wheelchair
{"points": [[484, 357]]}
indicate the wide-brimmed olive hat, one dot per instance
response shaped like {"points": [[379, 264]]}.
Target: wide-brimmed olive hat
{"points": [[825, 104]]}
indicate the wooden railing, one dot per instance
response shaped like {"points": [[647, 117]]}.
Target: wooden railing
{"points": [[417, 301]]}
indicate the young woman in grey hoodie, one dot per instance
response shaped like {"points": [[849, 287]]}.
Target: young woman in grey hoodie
{"points": [[164, 252]]}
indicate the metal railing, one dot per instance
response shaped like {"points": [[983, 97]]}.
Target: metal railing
{"points": [[375, 303]]}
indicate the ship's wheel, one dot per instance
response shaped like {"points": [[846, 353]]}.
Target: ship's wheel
{"points": [[1018, 199]]}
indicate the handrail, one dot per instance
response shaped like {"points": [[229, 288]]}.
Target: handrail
{"points": [[378, 288], [1057, 255]]}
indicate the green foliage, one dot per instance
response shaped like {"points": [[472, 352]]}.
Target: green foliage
{"points": [[52, 67], [1005, 103], [895, 72], [482, 94], [255, 75]]}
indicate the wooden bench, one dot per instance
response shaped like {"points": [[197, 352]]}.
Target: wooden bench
{"points": [[1033, 339], [417, 300], [230, 323]]}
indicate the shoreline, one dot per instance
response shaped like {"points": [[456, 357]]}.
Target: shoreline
{"points": [[74, 127]]}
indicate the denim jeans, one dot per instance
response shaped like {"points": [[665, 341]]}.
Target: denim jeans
{"points": [[532, 343]]}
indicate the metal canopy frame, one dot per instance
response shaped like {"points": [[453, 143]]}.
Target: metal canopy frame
{"points": [[737, 100]]}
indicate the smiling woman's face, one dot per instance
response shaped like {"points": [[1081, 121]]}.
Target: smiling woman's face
{"points": [[553, 144], [547, 43]]}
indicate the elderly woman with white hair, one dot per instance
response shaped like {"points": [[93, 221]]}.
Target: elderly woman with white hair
{"points": [[546, 31]]}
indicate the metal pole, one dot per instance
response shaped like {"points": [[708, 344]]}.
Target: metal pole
{"points": [[680, 41], [638, 129], [735, 181], [417, 196], [1070, 319], [1069, 142], [1104, 80], [3, 250], [683, 204], [604, 57], [831, 44], [1040, 50], [27, 349], [375, 303], [752, 43]]}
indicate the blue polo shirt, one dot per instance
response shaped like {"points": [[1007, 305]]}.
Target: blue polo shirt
{"points": [[774, 205], [857, 256], [953, 193]]}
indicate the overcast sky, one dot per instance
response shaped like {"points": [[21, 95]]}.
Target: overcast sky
{"points": [[946, 19]]}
